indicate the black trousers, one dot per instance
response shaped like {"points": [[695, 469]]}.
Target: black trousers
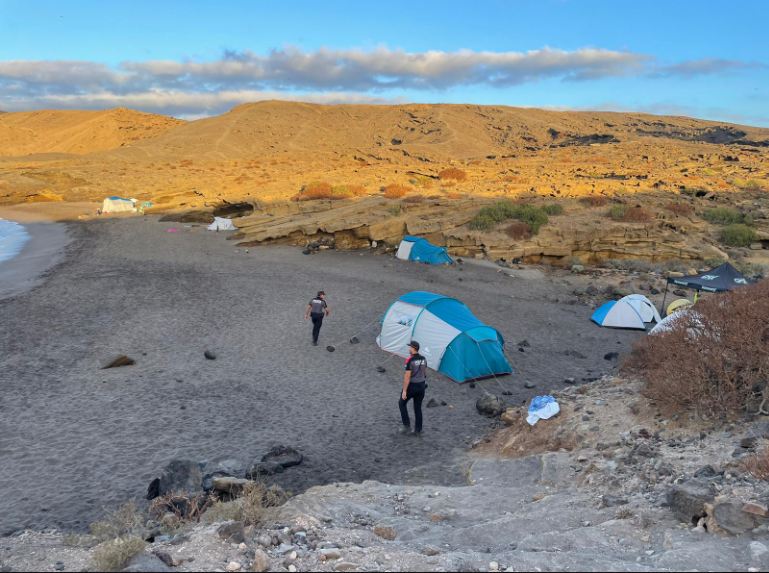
{"points": [[317, 322], [417, 392]]}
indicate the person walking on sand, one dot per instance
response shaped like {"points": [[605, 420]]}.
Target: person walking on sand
{"points": [[414, 386], [317, 309]]}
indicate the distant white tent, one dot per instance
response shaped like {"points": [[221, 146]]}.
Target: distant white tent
{"points": [[644, 306], [669, 322], [618, 314], [118, 205], [222, 224]]}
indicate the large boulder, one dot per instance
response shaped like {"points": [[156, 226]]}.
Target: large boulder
{"points": [[260, 469], [490, 405], [688, 500], [178, 476], [145, 562], [728, 516]]}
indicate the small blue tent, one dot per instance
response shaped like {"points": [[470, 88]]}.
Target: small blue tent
{"points": [[422, 250], [452, 339]]}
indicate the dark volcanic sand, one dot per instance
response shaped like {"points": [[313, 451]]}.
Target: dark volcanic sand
{"points": [[75, 439]]}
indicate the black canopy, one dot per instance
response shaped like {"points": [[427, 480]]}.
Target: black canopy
{"points": [[719, 279]]}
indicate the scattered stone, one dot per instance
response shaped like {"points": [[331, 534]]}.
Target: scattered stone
{"points": [[687, 501], [354, 340], [345, 566], [569, 380], [177, 476], [432, 403], [283, 455], [529, 385], [612, 501], [166, 558], [261, 469], [490, 406], [524, 344], [706, 472], [430, 551], [119, 361], [611, 356], [229, 485], [209, 355], [58, 566], [577, 269], [145, 563], [575, 354], [330, 554], [756, 509], [234, 566], [757, 550], [385, 532], [330, 348], [748, 443], [232, 532], [221, 467], [381, 369], [261, 562]]}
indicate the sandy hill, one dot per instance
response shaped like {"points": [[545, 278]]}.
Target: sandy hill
{"points": [[424, 132], [78, 132]]}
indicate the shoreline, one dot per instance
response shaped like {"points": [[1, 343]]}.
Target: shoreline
{"points": [[41, 252]]}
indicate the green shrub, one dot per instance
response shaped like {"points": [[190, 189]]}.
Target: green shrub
{"points": [[723, 216], [491, 215], [617, 212], [553, 209], [738, 235]]}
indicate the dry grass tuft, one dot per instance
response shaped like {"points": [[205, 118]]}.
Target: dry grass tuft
{"points": [[519, 231], [758, 464], [395, 190], [124, 521], [594, 201], [680, 209], [113, 555], [453, 173], [183, 507]]}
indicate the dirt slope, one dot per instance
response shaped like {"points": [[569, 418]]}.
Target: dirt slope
{"points": [[78, 132]]}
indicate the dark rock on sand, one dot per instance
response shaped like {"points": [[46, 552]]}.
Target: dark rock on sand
{"points": [[119, 361], [381, 369], [433, 403], [575, 354], [611, 356], [524, 344], [283, 455], [146, 563], [330, 348], [529, 385], [687, 501], [707, 472], [177, 476], [222, 467], [354, 340], [232, 532], [261, 469], [490, 405], [209, 355]]}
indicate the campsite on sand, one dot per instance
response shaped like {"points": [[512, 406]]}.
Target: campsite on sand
{"points": [[90, 438]]}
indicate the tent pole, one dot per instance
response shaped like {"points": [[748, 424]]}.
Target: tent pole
{"points": [[664, 298]]}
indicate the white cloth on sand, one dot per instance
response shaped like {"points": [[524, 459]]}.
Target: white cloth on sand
{"points": [[222, 224]]}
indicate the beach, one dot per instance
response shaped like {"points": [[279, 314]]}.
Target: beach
{"points": [[76, 439]]}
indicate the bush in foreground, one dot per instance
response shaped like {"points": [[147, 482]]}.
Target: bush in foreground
{"points": [[714, 361]]}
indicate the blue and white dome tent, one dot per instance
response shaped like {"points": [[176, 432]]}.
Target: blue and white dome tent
{"points": [[452, 339], [618, 314], [422, 250]]}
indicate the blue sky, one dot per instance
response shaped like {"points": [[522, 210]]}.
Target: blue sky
{"points": [[193, 58]]}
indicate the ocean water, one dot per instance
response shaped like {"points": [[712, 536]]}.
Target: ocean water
{"points": [[12, 239]]}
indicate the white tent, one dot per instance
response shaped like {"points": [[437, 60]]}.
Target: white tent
{"points": [[118, 205], [618, 314], [222, 224], [644, 306], [670, 320]]}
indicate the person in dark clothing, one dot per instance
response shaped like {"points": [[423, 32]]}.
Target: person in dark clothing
{"points": [[414, 386], [317, 309]]}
